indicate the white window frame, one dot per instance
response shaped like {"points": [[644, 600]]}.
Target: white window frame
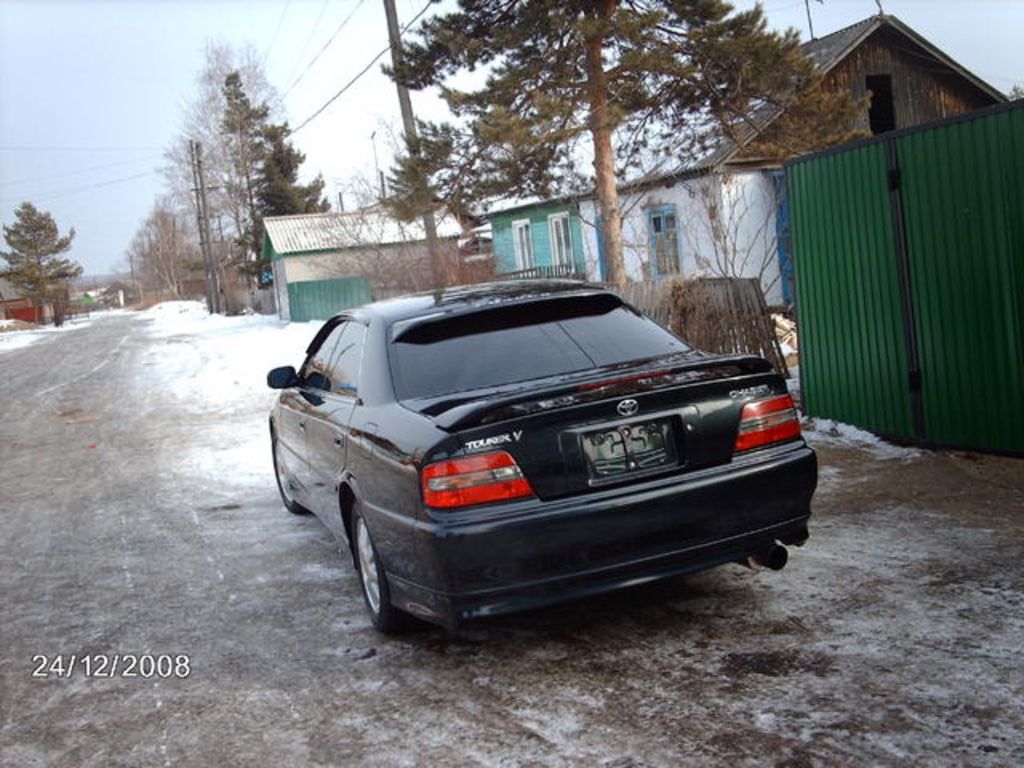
{"points": [[561, 251], [524, 257]]}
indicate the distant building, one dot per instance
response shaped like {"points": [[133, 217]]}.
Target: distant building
{"points": [[539, 239], [326, 262], [14, 306]]}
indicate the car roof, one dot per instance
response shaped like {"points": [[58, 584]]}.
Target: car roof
{"points": [[468, 298]]}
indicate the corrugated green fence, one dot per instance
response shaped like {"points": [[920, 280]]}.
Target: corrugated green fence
{"points": [[321, 299], [910, 281]]}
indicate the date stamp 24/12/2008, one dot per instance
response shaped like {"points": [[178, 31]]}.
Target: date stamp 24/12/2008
{"points": [[103, 665]]}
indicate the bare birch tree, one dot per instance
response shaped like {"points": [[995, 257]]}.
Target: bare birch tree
{"points": [[163, 250], [734, 234], [228, 192]]}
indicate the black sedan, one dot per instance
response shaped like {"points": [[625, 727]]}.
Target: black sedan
{"points": [[492, 448]]}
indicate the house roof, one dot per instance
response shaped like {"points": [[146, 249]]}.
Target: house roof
{"points": [[505, 207], [312, 232], [827, 53], [7, 291], [831, 49]]}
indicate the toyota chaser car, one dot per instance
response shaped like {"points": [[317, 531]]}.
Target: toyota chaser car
{"points": [[493, 448]]}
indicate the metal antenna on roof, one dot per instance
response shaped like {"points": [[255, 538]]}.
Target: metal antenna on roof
{"points": [[881, 10], [376, 167], [810, 22]]}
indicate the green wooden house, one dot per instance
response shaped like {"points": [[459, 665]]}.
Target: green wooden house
{"points": [[542, 239]]}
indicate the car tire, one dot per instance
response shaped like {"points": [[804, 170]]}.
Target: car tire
{"points": [[373, 582], [289, 503]]}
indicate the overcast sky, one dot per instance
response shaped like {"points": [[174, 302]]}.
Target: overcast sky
{"points": [[91, 92]]}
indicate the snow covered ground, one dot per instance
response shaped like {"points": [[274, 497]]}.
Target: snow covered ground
{"points": [[217, 362], [216, 365], [10, 340]]}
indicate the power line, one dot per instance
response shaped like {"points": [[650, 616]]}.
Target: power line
{"points": [[309, 38], [80, 170], [277, 31], [58, 148], [326, 45], [48, 196], [361, 72]]}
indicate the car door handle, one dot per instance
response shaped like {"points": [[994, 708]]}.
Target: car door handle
{"points": [[339, 441], [302, 425]]}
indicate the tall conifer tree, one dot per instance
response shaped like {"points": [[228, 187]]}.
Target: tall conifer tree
{"points": [[646, 84], [34, 265]]}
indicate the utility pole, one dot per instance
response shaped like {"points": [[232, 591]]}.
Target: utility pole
{"points": [[131, 269], [203, 223], [409, 124], [215, 278]]}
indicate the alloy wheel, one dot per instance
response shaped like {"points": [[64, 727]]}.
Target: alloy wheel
{"points": [[368, 566]]}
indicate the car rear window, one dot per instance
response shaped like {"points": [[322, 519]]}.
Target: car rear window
{"points": [[523, 342]]}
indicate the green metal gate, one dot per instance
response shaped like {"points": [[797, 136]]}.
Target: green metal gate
{"points": [[321, 299], [910, 281]]}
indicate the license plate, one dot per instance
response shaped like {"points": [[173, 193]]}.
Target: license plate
{"points": [[629, 448]]}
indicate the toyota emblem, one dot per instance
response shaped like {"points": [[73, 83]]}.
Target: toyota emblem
{"points": [[628, 407]]}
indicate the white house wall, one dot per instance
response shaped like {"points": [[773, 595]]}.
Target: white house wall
{"points": [[405, 266], [747, 204]]}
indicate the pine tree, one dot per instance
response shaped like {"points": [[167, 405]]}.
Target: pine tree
{"points": [[244, 127], [278, 191], [646, 83], [267, 166], [33, 263]]}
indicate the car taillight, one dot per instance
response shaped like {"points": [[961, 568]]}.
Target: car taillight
{"points": [[474, 480], [772, 420]]}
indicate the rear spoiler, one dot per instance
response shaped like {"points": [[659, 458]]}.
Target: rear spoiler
{"points": [[504, 314], [454, 414]]}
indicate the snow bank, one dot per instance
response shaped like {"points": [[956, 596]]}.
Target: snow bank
{"points": [[213, 362], [217, 366], [18, 339], [171, 318], [828, 432]]}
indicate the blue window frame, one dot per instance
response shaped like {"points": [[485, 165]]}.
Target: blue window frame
{"points": [[784, 239], [663, 240]]}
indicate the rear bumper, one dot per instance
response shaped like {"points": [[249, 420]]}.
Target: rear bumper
{"points": [[522, 555]]}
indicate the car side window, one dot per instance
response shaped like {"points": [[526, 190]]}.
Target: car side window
{"points": [[347, 361], [316, 374]]}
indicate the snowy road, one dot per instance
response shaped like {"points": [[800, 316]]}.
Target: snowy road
{"points": [[138, 515]]}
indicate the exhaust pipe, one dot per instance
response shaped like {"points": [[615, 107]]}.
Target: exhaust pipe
{"points": [[774, 558]]}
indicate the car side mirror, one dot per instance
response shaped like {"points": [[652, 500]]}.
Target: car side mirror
{"points": [[283, 378]]}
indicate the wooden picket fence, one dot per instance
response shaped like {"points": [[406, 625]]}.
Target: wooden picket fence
{"points": [[714, 314]]}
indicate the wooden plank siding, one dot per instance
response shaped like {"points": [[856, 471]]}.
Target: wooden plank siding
{"points": [[540, 235], [923, 89]]}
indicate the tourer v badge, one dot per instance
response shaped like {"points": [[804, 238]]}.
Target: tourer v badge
{"points": [[487, 442]]}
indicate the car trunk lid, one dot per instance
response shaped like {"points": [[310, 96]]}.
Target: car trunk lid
{"points": [[619, 425]]}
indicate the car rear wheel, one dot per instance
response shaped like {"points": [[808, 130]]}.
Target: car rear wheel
{"points": [[373, 580], [282, 482]]}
